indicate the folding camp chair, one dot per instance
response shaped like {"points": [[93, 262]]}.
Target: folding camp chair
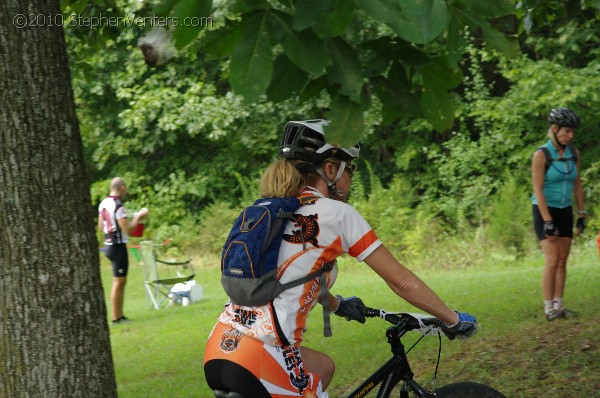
{"points": [[160, 275]]}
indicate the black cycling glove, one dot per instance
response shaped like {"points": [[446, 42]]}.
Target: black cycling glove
{"points": [[550, 229], [350, 308], [581, 224]]}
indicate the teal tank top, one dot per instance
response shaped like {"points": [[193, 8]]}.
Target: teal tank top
{"points": [[559, 178]]}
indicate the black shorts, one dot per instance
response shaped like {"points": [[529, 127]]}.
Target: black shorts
{"points": [[562, 218], [117, 254], [230, 377]]}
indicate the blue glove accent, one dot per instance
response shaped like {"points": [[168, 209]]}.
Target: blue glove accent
{"points": [[465, 328], [351, 308]]}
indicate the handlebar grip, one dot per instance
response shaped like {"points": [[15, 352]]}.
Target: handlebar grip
{"points": [[370, 312]]}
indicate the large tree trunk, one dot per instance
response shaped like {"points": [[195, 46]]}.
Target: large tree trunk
{"points": [[54, 339]]}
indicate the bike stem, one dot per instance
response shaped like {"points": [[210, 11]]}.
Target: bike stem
{"points": [[393, 335]]}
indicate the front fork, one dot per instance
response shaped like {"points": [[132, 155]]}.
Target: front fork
{"points": [[402, 371]]}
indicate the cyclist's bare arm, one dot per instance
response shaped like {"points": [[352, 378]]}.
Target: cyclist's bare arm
{"points": [[538, 170], [408, 286]]}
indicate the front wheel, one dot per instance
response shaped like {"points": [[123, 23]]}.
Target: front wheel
{"points": [[468, 389]]}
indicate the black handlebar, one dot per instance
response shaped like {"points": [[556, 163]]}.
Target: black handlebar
{"points": [[406, 322]]}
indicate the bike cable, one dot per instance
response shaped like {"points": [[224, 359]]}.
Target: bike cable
{"points": [[437, 364]]}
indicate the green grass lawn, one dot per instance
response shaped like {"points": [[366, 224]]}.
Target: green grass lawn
{"points": [[159, 353]]}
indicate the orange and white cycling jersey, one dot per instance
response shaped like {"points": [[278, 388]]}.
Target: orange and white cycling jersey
{"points": [[329, 229], [279, 369]]}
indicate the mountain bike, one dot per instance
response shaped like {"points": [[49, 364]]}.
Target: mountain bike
{"points": [[397, 369]]}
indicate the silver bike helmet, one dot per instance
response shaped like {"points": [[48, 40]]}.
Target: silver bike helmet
{"points": [[564, 117], [305, 140]]}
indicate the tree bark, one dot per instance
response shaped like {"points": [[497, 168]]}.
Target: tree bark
{"points": [[54, 339]]}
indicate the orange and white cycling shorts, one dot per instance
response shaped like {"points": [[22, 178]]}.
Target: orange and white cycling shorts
{"points": [[279, 369]]}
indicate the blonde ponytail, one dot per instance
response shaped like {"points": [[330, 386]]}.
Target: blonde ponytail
{"points": [[281, 179]]}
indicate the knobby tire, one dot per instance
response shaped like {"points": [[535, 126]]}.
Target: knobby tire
{"points": [[468, 390]]}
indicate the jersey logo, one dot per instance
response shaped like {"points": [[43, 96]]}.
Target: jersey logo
{"points": [[230, 340], [245, 317], [294, 366], [308, 228]]}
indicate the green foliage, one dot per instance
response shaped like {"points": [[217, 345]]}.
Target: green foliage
{"points": [[184, 141], [205, 233], [510, 224], [324, 40], [590, 178], [392, 214], [564, 32]]}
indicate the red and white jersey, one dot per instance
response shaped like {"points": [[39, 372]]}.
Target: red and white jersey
{"points": [[330, 228], [110, 210]]}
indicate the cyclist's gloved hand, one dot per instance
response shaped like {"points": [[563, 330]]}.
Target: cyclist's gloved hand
{"points": [[350, 308], [550, 228], [580, 224], [464, 328]]}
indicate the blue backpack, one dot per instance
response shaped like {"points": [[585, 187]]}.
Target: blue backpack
{"points": [[249, 258]]}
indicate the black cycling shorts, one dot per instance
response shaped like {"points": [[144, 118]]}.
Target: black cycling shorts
{"points": [[230, 377], [562, 218], [117, 254]]}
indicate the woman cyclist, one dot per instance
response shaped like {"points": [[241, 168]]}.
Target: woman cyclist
{"points": [[258, 351], [555, 178]]}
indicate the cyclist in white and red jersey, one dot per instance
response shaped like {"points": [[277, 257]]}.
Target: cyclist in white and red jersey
{"points": [[258, 351], [112, 220]]}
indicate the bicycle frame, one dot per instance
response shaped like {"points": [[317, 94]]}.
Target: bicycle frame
{"points": [[396, 369]]}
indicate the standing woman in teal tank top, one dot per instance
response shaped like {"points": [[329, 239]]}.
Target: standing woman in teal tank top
{"points": [[556, 179]]}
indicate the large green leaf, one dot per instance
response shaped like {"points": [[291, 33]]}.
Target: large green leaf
{"points": [[437, 108], [328, 18], [313, 88], [309, 12], [490, 9], [345, 70], [418, 21], [221, 42], [493, 38], [379, 53], [190, 16], [435, 103], [347, 124], [246, 6], [251, 65], [336, 20], [164, 8], [438, 74], [414, 57], [303, 48], [287, 80], [394, 94], [456, 42]]}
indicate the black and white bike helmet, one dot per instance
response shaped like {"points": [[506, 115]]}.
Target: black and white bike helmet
{"points": [[305, 140], [564, 117]]}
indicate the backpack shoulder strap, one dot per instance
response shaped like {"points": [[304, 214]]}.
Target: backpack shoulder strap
{"points": [[297, 282], [549, 158], [573, 153], [304, 199]]}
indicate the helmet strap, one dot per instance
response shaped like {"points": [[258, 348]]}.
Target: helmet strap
{"points": [[556, 137], [332, 184]]}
